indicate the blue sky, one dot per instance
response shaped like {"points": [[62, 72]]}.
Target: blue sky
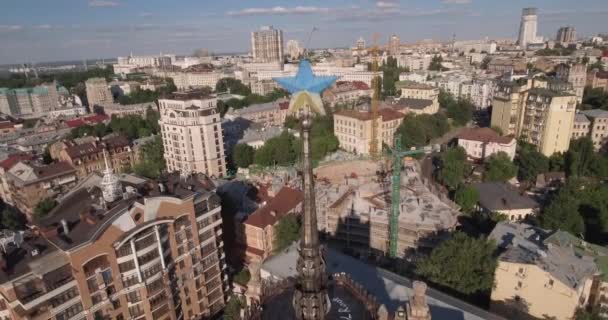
{"points": [[47, 30]]}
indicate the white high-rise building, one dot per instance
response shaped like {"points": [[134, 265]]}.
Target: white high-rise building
{"points": [[293, 49], [192, 134], [527, 28], [267, 44]]}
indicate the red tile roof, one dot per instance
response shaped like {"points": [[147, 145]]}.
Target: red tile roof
{"points": [[484, 135], [285, 201], [75, 123], [6, 125], [9, 162]]}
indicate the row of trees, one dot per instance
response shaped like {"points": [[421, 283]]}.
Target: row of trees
{"points": [[143, 96], [66, 79], [131, 126], [390, 75]]}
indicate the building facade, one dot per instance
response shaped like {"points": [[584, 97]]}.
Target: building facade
{"points": [[267, 44], [294, 49], [266, 114], [575, 74], [592, 124], [596, 79], [98, 93], [192, 134], [410, 90], [152, 256], [566, 35], [346, 93], [354, 129], [480, 143]]}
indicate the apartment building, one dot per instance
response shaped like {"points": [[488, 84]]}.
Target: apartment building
{"points": [[566, 35], [354, 129], [346, 93], [526, 108], [266, 114], [120, 249], [413, 90], [540, 274], [5, 165], [263, 87], [29, 102], [193, 80], [192, 133], [88, 157], [98, 93], [267, 44], [414, 62], [592, 124], [256, 234], [29, 183], [598, 79], [575, 74], [480, 143]]}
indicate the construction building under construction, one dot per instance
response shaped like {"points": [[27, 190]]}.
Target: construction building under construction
{"points": [[354, 203]]}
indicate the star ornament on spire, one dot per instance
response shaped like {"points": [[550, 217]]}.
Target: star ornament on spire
{"points": [[306, 88]]}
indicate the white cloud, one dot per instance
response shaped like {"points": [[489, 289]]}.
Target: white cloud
{"points": [[456, 1], [387, 4], [103, 3], [146, 14], [279, 11], [44, 26], [14, 27]]}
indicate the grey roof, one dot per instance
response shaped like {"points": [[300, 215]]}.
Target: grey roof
{"points": [[414, 103], [257, 108], [595, 113], [526, 244], [581, 118], [501, 196], [252, 134], [390, 289], [549, 93]]}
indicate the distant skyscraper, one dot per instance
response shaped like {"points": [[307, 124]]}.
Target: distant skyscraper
{"points": [[393, 44], [527, 28], [566, 35], [98, 93], [267, 44], [293, 49]]}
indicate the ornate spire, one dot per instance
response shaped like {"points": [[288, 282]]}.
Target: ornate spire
{"points": [[110, 185], [310, 299]]}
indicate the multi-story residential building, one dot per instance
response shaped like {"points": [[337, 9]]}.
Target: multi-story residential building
{"points": [[541, 116], [354, 129], [414, 62], [29, 183], [412, 90], [507, 65], [88, 157], [98, 93], [574, 73], [480, 143], [479, 92], [256, 234], [592, 124], [394, 44], [5, 166], [263, 87], [266, 114], [294, 49], [29, 102], [566, 35], [475, 46], [346, 93], [540, 274], [595, 79], [136, 109], [122, 250], [192, 133], [267, 44], [192, 80]]}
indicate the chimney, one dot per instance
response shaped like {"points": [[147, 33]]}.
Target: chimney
{"points": [[65, 226]]}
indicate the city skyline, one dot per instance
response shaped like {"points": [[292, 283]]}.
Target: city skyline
{"points": [[64, 30]]}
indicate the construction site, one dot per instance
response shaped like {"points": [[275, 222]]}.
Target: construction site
{"points": [[354, 207]]}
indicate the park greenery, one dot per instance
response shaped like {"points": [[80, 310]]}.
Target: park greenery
{"points": [[419, 130], [287, 231], [499, 168], [453, 167], [235, 86], [44, 207], [463, 264], [558, 50], [152, 162], [67, 79], [466, 197], [130, 126]]}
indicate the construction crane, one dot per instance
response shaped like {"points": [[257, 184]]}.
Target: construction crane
{"points": [[397, 154], [375, 103]]}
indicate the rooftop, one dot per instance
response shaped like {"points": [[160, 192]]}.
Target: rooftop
{"points": [[413, 85], [485, 135], [548, 93], [387, 114], [190, 95], [27, 173], [411, 103], [260, 107], [581, 118], [496, 196], [286, 200], [595, 113]]}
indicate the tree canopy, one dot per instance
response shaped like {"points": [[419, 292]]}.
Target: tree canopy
{"points": [[530, 162], [453, 167], [466, 197], [436, 65], [243, 155], [44, 207], [462, 263], [152, 161], [419, 130], [286, 232], [499, 168], [130, 126], [595, 98], [390, 75], [459, 110]]}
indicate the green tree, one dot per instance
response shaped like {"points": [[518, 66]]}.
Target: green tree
{"points": [[287, 231], [436, 65], [152, 161], [235, 86], [46, 156], [242, 277], [557, 162], [233, 308], [419, 130], [595, 98], [563, 209], [466, 197], [580, 157], [453, 167], [485, 62], [459, 110], [499, 168], [13, 220], [243, 155], [44, 207], [463, 264]]}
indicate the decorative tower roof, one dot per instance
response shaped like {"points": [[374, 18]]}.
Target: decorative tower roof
{"points": [[110, 184]]}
